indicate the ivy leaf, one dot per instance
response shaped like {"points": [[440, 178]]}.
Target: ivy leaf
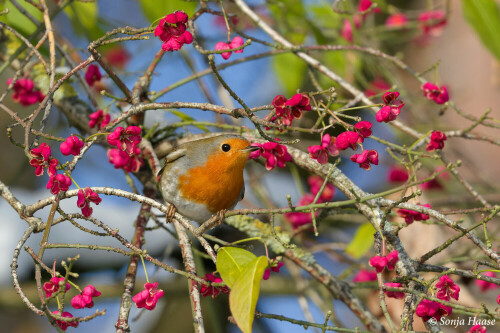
{"points": [[362, 241], [154, 9], [231, 261], [245, 293], [484, 17]]}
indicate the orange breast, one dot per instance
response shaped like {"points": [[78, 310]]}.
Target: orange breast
{"points": [[217, 183]]}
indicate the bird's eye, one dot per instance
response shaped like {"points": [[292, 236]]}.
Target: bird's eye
{"points": [[226, 147]]}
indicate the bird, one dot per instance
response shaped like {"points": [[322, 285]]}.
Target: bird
{"points": [[204, 177]]}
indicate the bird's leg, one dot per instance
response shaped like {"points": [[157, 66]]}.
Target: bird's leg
{"points": [[220, 216], [171, 210], [214, 221]]}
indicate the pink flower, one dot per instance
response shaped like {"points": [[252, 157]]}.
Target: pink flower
{"points": [[437, 141], [93, 75], [378, 262], [435, 184], [209, 290], [118, 56], [432, 22], [386, 114], [298, 103], [397, 20], [53, 285], [365, 275], [220, 22], [381, 262], [378, 85], [346, 32], [85, 197], [58, 183], [364, 128], [364, 5], [397, 174], [24, 93], [79, 301], [410, 215], [148, 297], [432, 184], [274, 266], [135, 162], [172, 31], [279, 102], [84, 300], [223, 46], [321, 152], [477, 329], [394, 294], [298, 218], [366, 158], [274, 154], [64, 324], [430, 309], [99, 118], [43, 152], [125, 139], [287, 110], [392, 259], [315, 183], [392, 107], [72, 146], [498, 299], [41, 159], [435, 93], [391, 97], [485, 285], [348, 139], [118, 158], [122, 160], [283, 115], [447, 288], [235, 43]]}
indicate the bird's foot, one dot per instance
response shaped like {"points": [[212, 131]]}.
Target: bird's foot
{"points": [[171, 213], [220, 216], [214, 221]]}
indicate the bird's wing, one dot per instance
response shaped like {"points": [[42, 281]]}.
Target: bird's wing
{"points": [[172, 156]]}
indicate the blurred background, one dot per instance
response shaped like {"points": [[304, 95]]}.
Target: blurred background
{"points": [[463, 64]]}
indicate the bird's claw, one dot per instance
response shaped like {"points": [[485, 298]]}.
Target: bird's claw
{"points": [[171, 210], [221, 216]]}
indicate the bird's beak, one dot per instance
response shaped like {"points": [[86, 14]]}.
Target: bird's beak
{"points": [[250, 149]]}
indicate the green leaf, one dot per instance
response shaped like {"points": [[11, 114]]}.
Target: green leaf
{"points": [[362, 241], [231, 261], [340, 62], [17, 20], [154, 9], [285, 15], [83, 16], [290, 70], [324, 16], [484, 18], [185, 117], [41, 79], [245, 293]]}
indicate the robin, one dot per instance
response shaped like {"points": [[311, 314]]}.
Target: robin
{"points": [[205, 177]]}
